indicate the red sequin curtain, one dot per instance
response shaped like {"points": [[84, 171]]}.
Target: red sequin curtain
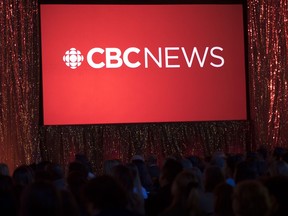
{"points": [[19, 82], [24, 140], [268, 71]]}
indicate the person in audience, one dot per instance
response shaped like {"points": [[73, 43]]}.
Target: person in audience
{"points": [[263, 156], [145, 178], [124, 176], [162, 199], [6, 183], [197, 172], [182, 185], [138, 188], [104, 196], [223, 195], [263, 153], [40, 198], [213, 176], [278, 153], [4, 170], [76, 180], [76, 166], [230, 186], [186, 163], [251, 198], [278, 190], [152, 166], [246, 170], [41, 165], [40, 171], [78, 176], [229, 170], [8, 204], [56, 174], [197, 162], [109, 165], [285, 157], [69, 204], [218, 159], [81, 158], [278, 167], [256, 160], [194, 206], [22, 177], [154, 171]]}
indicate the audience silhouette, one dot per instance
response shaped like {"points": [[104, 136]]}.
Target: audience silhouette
{"points": [[250, 184]]}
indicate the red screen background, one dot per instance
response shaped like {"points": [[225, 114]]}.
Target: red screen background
{"points": [[128, 95]]}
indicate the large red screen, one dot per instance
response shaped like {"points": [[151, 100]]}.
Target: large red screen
{"points": [[142, 63]]}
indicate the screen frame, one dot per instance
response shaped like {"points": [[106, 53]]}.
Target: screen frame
{"points": [[148, 2]]}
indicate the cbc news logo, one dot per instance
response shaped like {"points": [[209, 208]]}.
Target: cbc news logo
{"points": [[73, 58], [165, 57]]}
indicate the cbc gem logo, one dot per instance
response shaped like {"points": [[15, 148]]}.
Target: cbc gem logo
{"points": [[73, 58]]}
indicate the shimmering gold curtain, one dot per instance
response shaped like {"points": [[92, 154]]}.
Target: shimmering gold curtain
{"points": [[24, 140]]}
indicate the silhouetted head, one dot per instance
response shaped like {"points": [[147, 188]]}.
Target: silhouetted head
{"points": [[182, 185], [262, 152], [246, 170], [4, 169], [109, 165], [104, 193], [6, 183], [231, 164], [218, 159], [213, 176], [23, 175], [278, 189], [8, 204], [56, 171], [278, 168], [186, 163], [170, 170], [251, 198], [124, 176], [278, 153], [78, 167], [151, 160], [82, 158]]}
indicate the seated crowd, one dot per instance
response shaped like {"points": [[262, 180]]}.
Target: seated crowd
{"points": [[251, 184]]}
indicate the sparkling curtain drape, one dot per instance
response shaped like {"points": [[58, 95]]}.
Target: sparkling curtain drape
{"points": [[268, 70], [24, 140]]}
